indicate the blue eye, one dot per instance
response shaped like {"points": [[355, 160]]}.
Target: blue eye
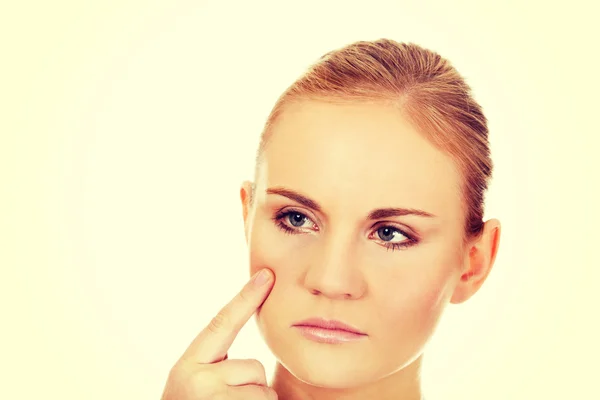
{"points": [[296, 219], [387, 233], [393, 238], [294, 222]]}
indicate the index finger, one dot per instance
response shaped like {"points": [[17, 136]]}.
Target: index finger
{"points": [[214, 341]]}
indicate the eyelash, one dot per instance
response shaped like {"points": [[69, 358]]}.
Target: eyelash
{"points": [[281, 215]]}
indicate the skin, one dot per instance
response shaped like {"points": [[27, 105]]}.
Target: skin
{"points": [[350, 159]]}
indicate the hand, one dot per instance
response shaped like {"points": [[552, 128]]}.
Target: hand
{"points": [[204, 372]]}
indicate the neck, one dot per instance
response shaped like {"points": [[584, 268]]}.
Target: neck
{"points": [[402, 385]]}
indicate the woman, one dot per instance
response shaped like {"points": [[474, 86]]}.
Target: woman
{"points": [[363, 223]]}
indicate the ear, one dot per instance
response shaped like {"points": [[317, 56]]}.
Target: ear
{"points": [[246, 198], [479, 262]]}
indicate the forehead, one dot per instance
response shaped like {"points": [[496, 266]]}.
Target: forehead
{"points": [[358, 156]]}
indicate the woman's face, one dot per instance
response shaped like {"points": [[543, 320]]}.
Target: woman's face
{"points": [[360, 219]]}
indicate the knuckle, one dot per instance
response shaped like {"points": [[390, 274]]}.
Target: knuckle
{"points": [[219, 323], [177, 374], [204, 384], [245, 295], [267, 392], [256, 365], [186, 383]]}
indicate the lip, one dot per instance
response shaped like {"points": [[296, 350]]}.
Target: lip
{"points": [[328, 331]]}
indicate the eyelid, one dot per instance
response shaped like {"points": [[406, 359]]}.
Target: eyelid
{"points": [[292, 209], [285, 211], [410, 241], [405, 230]]}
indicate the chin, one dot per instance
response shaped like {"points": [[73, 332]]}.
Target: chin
{"points": [[341, 373], [328, 375], [342, 366]]}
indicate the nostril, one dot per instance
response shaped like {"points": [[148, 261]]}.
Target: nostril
{"points": [[316, 292]]}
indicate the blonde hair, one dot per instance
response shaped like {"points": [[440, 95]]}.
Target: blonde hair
{"points": [[428, 91]]}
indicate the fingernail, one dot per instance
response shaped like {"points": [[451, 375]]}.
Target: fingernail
{"points": [[261, 278]]}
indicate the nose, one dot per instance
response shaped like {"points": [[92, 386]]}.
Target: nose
{"points": [[334, 271]]}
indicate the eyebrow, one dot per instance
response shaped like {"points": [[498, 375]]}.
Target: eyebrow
{"points": [[397, 212], [378, 213], [297, 197]]}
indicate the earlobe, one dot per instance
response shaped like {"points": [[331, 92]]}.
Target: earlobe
{"points": [[478, 263]]}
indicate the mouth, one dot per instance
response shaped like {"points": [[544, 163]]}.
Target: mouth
{"points": [[328, 331]]}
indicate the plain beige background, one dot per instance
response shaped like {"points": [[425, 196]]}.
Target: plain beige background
{"points": [[127, 127]]}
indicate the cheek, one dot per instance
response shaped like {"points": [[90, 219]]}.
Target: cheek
{"points": [[270, 248], [415, 300]]}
